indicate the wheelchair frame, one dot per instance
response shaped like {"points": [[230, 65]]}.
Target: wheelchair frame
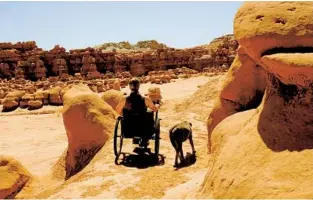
{"points": [[119, 136]]}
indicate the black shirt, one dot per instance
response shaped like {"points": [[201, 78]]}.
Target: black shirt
{"points": [[135, 104]]}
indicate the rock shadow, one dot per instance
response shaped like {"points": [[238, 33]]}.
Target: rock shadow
{"points": [[286, 121]]}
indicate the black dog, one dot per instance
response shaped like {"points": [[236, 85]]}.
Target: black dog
{"points": [[179, 134]]}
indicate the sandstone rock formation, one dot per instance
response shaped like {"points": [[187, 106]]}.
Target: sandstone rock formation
{"points": [[26, 60], [89, 68], [12, 100], [112, 97], [42, 96], [243, 89], [88, 122], [25, 99], [266, 152], [54, 96], [14, 177], [34, 104], [59, 67], [9, 105], [48, 90], [23, 63]]}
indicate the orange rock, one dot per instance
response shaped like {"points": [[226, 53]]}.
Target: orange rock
{"points": [[279, 25], [88, 122], [112, 97], [54, 96], [14, 177], [16, 95], [42, 96], [25, 99], [265, 152], [9, 104], [34, 104]]}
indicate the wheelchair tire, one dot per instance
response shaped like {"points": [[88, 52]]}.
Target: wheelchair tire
{"points": [[157, 138], [118, 138]]}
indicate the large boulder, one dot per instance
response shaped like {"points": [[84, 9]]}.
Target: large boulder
{"points": [[253, 160], [54, 96], [16, 95], [265, 37], [278, 35], [12, 101], [42, 96], [14, 177], [243, 89], [88, 122], [267, 151], [34, 104], [9, 105], [112, 97], [114, 84], [117, 84], [25, 99]]}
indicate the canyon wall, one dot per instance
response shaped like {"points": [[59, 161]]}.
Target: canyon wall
{"points": [[25, 60]]}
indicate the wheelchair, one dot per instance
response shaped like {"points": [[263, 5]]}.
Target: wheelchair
{"points": [[132, 126]]}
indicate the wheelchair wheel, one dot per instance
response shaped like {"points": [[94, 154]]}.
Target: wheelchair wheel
{"points": [[118, 137], [157, 138]]}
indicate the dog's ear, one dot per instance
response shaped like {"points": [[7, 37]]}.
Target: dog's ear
{"points": [[190, 124]]}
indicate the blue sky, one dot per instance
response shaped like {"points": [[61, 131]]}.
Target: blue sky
{"points": [[82, 24]]}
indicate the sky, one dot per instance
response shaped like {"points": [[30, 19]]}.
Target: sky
{"points": [[86, 24]]}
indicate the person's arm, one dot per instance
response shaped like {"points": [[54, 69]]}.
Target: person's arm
{"points": [[150, 104], [120, 106]]}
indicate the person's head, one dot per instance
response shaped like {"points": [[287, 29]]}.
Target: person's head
{"points": [[134, 84]]}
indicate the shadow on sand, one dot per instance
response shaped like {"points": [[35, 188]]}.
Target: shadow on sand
{"points": [[141, 159]]}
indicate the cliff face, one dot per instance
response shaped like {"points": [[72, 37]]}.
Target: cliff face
{"points": [[26, 60]]}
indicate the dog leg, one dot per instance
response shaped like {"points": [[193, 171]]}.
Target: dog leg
{"points": [[176, 158], [192, 145], [182, 159]]}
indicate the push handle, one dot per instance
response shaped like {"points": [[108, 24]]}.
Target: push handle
{"points": [[157, 102]]}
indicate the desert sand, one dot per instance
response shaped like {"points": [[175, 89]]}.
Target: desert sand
{"points": [[259, 127], [38, 138]]}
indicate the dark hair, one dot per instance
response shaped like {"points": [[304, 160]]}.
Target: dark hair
{"points": [[134, 84]]}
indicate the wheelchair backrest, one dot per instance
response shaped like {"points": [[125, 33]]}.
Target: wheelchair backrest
{"points": [[137, 122]]}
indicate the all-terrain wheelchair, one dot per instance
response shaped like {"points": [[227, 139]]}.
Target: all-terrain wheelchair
{"points": [[134, 126]]}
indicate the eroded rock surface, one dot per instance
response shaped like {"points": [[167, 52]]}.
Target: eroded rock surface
{"points": [[88, 122], [14, 177], [267, 150], [25, 61]]}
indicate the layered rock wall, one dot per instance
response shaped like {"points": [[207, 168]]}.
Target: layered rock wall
{"points": [[24, 60]]}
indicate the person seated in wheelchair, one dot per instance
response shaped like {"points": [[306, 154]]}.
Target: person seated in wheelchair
{"points": [[134, 108]]}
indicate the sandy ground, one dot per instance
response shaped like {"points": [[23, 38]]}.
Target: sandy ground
{"points": [[38, 140]]}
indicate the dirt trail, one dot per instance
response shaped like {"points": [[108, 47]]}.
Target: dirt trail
{"points": [[102, 178]]}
